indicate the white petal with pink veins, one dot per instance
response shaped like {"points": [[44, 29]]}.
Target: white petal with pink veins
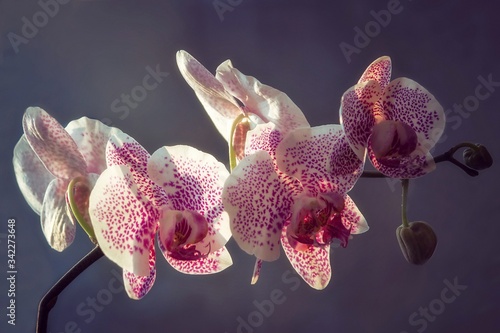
{"points": [[258, 202], [379, 70], [219, 105], [91, 137], [124, 220], [213, 263], [57, 226], [193, 180], [31, 175], [320, 158], [357, 114], [53, 145], [138, 286], [407, 101], [313, 264], [268, 103]]}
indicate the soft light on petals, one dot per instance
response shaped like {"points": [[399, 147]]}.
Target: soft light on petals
{"points": [[122, 149], [91, 137], [53, 145], [219, 105], [31, 175], [268, 103], [213, 263], [407, 101], [258, 202], [320, 158], [379, 70], [138, 286], [58, 228], [313, 264], [352, 217], [263, 137], [357, 116], [124, 220], [193, 181], [81, 195]]}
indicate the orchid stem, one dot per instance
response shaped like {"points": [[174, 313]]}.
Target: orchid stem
{"points": [[50, 298], [76, 212], [404, 184], [448, 156]]}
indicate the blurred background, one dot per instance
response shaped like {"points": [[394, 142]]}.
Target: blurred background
{"points": [[76, 58]]}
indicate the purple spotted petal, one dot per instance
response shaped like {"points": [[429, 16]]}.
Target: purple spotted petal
{"points": [[256, 271], [417, 164], [407, 101], [91, 137], [31, 175], [379, 70], [263, 137], [193, 180], [124, 220], [122, 149], [53, 145], [213, 263], [352, 217], [357, 114], [320, 158], [258, 202], [57, 226], [138, 286], [219, 105], [269, 104], [313, 265]]}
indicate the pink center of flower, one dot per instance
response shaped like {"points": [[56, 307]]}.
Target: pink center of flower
{"points": [[391, 141], [189, 228], [317, 222]]}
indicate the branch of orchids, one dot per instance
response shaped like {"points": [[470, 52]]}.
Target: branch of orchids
{"points": [[50, 298], [476, 157]]}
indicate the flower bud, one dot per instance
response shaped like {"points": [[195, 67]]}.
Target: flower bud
{"points": [[417, 241], [478, 159]]}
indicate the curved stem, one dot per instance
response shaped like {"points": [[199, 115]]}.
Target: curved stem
{"points": [[50, 298], [76, 212], [404, 184], [232, 153]]}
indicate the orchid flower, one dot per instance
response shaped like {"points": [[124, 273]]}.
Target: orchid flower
{"points": [[174, 194], [232, 100], [293, 190], [47, 159], [398, 121]]}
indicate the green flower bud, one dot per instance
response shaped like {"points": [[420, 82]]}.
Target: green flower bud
{"points": [[417, 241], [478, 159]]}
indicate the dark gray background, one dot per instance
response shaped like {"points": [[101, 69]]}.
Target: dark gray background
{"points": [[93, 51]]}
